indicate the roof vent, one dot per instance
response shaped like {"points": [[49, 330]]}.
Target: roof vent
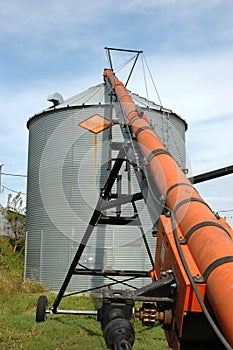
{"points": [[55, 98]]}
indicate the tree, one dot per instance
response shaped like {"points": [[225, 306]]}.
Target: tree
{"points": [[15, 221]]}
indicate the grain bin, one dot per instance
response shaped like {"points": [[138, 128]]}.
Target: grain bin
{"points": [[67, 167]]}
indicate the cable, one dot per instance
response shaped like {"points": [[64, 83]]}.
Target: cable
{"points": [[9, 189], [144, 77], [206, 312], [156, 90], [124, 64], [13, 174], [225, 211]]}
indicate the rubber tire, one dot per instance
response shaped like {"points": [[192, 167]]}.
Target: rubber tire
{"points": [[41, 307]]}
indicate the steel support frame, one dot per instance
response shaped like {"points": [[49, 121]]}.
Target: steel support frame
{"points": [[105, 202], [129, 153]]}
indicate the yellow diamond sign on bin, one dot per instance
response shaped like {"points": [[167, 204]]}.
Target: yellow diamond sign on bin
{"points": [[96, 123]]}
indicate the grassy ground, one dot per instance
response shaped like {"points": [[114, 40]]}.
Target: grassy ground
{"points": [[18, 329]]}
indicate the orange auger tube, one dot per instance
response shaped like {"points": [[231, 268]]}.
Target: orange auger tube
{"points": [[210, 242]]}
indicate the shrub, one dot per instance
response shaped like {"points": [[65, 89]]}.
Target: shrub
{"points": [[11, 271]]}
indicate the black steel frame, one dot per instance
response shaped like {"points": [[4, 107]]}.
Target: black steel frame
{"points": [[138, 52], [106, 201]]}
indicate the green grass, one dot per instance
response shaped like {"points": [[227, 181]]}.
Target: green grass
{"points": [[18, 329]]}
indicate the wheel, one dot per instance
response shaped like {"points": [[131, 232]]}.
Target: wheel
{"points": [[41, 308]]}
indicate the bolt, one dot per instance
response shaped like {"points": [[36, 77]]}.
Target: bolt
{"points": [[167, 213], [197, 277]]}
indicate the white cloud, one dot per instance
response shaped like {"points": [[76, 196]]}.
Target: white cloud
{"points": [[75, 24], [186, 42]]}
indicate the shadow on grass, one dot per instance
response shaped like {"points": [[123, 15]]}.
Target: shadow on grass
{"points": [[80, 325]]}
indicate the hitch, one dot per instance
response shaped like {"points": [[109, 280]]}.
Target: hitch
{"points": [[117, 320]]}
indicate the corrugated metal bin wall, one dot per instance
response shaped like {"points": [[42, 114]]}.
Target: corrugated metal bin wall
{"points": [[67, 166]]}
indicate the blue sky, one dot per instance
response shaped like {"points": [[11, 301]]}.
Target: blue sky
{"points": [[49, 46]]}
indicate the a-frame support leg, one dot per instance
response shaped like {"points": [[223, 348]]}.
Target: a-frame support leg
{"points": [[92, 223]]}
